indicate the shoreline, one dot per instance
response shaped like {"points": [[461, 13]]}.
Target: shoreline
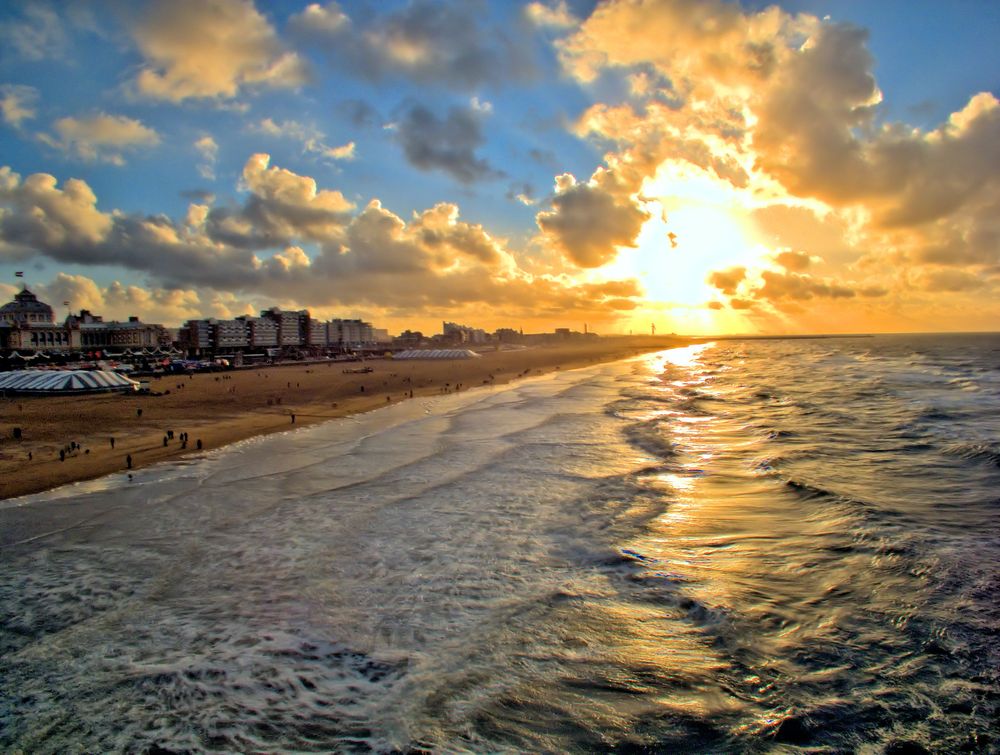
{"points": [[218, 409]]}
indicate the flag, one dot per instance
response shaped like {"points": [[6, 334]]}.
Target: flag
{"points": [[18, 274]]}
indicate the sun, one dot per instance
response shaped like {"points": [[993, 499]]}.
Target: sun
{"points": [[698, 223]]}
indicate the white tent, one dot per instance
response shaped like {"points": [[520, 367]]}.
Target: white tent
{"points": [[436, 354], [64, 381]]}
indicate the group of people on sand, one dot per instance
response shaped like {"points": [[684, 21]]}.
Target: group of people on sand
{"points": [[73, 448]]}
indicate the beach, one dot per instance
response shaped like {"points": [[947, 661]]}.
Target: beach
{"points": [[224, 407], [695, 550]]}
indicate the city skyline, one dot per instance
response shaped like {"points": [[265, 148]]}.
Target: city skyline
{"points": [[701, 167]]}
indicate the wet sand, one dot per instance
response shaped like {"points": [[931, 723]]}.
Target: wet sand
{"points": [[222, 408]]}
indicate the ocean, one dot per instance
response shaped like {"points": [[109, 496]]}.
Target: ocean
{"points": [[741, 546]]}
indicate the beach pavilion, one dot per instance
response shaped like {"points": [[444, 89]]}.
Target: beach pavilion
{"points": [[437, 354], [61, 382]]}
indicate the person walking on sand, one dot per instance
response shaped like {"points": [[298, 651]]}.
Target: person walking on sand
{"points": [[128, 461]]}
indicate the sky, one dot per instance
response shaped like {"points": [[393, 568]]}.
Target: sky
{"points": [[693, 166]]}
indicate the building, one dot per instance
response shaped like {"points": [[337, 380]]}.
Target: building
{"points": [[197, 336], [507, 335], [29, 324], [454, 333], [318, 334], [263, 331], [409, 339], [114, 335], [293, 326], [232, 335], [27, 310], [350, 333]]}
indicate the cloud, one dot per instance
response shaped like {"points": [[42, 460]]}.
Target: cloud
{"points": [[283, 206], [343, 152], [310, 137], [100, 137], [788, 107], [950, 280], [588, 221], [17, 104], [42, 216], [208, 149], [801, 287], [557, 16], [359, 113], [294, 242], [38, 34], [209, 50], [447, 144], [446, 43], [747, 290], [793, 261], [727, 280], [118, 301]]}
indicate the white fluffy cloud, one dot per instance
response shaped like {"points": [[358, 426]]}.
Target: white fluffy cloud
{"points": [[291, 241], [199, 50], [100, 137]]}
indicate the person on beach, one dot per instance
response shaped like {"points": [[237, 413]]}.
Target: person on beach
{"points": [[128, 461]]}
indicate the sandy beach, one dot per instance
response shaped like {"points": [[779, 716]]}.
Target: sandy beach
{"points": [[221, 408]]}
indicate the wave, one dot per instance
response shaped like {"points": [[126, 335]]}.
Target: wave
{"points": [[650, 437], [981, 452]]}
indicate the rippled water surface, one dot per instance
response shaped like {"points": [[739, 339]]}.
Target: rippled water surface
{"points": [[740, 546]]}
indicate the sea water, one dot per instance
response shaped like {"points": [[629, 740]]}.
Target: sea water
{"points": [[740, 546]]}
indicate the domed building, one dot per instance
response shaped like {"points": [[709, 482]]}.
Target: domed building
{"points": [[26, 308], [28, 325]]}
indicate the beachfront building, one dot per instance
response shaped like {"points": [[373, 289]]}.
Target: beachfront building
{"points": [[197, 336], [293, 326], [507, 335], [28, 325], [212, 335], [347, 334], [409, 339], [133, 334], [26, 309], [232, 335], [454, 333], [263, 332], [317, 334]]}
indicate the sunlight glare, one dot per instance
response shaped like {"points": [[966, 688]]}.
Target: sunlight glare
{"points": [[711, 230]]}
